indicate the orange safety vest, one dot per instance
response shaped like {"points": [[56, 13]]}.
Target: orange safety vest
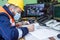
{"points": [[11, 19]]}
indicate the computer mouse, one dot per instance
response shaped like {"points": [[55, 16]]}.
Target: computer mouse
{"points": [[58, 36]]}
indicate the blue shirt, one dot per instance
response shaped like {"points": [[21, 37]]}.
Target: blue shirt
{"points": [[6, 31]]}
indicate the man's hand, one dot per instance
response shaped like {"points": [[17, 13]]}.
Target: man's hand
{"points": [[30, 28], [52, 38], [19, 24]]}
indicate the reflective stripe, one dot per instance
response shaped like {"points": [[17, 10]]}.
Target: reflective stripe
{"points": [[20, 33]]}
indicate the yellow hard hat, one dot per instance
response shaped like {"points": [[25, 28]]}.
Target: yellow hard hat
{"points": [[18, 3]]}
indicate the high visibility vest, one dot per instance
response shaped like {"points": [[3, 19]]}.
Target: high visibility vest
{"points": [[11, 19]]}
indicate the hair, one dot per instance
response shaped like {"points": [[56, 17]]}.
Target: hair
{"points": [[11, 6]]}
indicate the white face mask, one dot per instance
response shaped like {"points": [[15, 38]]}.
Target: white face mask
{"points": [[17, 16]]}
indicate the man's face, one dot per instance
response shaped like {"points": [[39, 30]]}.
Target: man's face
{"points": [[16, 11]]}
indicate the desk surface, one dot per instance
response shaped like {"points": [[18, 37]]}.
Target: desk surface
{"points": [[42, 33]]}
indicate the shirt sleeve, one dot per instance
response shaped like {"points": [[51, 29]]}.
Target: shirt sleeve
{"points": [[22, 31]]}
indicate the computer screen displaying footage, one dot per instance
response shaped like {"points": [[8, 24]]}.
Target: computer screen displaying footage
{"points": [[34, 9]]}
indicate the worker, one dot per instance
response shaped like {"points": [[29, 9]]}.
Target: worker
{"points": [[8, 29]]}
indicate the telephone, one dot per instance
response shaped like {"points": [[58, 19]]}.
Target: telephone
{"points": [[53, 24], [57, 27]]}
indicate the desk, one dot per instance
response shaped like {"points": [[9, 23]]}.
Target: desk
{"points": [[42, 34]]}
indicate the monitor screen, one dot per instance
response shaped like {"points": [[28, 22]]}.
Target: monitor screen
{"points": [[57, 11], [34, 9]]}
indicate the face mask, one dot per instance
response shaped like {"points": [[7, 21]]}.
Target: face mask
{"points": [[17, 16]]}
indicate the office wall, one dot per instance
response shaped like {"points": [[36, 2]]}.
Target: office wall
{"points": [[29, 1], [2, 2], [25, 2], [58, 0]]}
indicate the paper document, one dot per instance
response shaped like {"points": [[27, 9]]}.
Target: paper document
{"points": [[44, 33]]}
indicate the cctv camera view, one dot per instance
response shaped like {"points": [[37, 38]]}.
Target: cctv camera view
{"points": [[34, 9]]}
